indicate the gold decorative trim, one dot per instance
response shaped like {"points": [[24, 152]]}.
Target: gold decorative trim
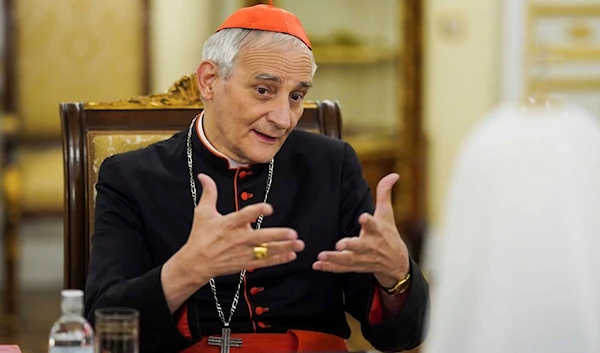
{"points": [[558, 54], [564, 10], [354, 55], [561, 54], [184, 94], [568, 84]]}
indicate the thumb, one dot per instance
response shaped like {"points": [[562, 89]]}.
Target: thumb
{"points": [[383, 207], [208, 199]]}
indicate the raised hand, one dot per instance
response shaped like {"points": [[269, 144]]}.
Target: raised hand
{"points": [[378, 249], [224, 244]]}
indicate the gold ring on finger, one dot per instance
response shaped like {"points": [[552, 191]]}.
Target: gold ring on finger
{"points": [[260, 252]]}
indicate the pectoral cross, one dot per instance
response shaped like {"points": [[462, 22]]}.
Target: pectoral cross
{"points": [[225, 341]]}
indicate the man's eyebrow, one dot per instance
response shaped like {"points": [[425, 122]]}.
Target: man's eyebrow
{"points": [[268, 77]]}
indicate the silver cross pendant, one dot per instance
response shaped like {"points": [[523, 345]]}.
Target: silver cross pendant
{"points": [[225, 341]]}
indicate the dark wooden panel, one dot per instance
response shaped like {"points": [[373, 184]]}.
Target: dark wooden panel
{"points": [[146, 49], [10, 56], [178, 119]]}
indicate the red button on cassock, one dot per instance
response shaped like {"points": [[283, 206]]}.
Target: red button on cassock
{"points": [[260, 310], [256, 290], [242, 174], [263, 325], [246, 195]]}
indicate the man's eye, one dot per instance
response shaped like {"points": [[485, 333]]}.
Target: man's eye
{"points": [[297, 97], [261, 90]]}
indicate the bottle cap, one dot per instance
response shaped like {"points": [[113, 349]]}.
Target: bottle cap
{"points": [[72, 300]]}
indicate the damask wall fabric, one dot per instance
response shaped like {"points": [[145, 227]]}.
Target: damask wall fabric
{"points": [[75, 50]]}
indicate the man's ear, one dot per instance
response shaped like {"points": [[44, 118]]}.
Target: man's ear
{"points": [[206, 74]]}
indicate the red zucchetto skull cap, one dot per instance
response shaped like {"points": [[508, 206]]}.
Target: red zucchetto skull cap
{"points": [[267, 18]]}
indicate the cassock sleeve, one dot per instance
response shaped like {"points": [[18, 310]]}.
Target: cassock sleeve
{"points": [[408, 328], [120, 274]]}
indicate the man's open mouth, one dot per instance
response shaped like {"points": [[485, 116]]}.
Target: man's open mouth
{"points": [[264, 137]]}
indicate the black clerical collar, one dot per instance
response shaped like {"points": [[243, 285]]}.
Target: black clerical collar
{"points": [[210, 154]]}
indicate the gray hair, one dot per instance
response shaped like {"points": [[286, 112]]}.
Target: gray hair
{"points": [[223, 47]]}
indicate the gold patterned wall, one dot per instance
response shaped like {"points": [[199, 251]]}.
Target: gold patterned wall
{"points": [[75, 50]]}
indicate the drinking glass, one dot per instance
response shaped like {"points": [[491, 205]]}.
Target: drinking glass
{"points": [[117, 330]]}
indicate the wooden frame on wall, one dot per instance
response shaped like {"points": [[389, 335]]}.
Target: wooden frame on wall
{"points": [[8, 60], [146, 49], [411, 152]]}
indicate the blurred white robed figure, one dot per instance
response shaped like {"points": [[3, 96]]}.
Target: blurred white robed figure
{"points": [[520, 266]]}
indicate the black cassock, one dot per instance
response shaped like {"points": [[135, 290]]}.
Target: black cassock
{"points": [[144, 212]]}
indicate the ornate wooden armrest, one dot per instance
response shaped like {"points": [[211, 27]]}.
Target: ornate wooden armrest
{"points": [[10, 175], [11, 185], [9, 126]]}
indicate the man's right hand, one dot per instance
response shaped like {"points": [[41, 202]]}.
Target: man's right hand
{"points": [[222, 245]]}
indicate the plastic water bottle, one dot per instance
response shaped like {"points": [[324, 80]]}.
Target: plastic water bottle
{"points": [[71, 333]]}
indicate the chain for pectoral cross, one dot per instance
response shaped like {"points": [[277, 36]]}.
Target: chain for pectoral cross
{"points": [[225, 341]]}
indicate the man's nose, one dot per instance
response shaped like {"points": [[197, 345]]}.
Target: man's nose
{"points": [[281, 114]]}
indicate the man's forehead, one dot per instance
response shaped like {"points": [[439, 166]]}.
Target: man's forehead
{"points": [[277, 66]]}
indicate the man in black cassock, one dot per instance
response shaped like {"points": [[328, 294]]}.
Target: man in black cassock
{"points": [[242, 234]]}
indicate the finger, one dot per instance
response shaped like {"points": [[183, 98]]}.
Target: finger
{"points": [[282, 247], [343, 261], [347, 261], [355, 244], [383, 208], [269, 235], [345, 257], [369, 224], [331, 267], [209, 196], [249, 213], [275, 260]]}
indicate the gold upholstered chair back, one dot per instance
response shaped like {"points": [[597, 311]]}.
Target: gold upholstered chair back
{"points": [[91, 132]]}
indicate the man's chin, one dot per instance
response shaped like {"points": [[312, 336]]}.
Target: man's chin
{"points": [[258, 153], [262, 157]]}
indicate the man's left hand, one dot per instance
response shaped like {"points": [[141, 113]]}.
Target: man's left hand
{"points": [[378, 249]]}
